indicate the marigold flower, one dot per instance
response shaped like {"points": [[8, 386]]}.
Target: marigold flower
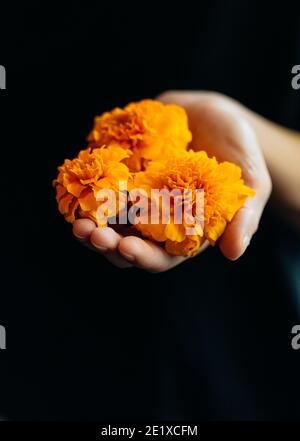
{"points": [[150, 129], [224, 192], [79, 180]]}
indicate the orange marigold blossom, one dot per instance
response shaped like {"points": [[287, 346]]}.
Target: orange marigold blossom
{"points": [[224, 192], [79, 181], [150, 129]]}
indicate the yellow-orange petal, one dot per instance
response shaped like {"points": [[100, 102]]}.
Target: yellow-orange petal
{"points": [[189, 247], [88, 201], [64, 203], [175, 232]]}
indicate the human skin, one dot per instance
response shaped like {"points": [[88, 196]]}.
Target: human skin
{"points": [[266, 152]]}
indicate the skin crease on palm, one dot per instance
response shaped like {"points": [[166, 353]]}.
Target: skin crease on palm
{"points": [[220, 129]]}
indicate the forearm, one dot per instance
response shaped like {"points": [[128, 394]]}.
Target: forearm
{"points": [[281, 148]]}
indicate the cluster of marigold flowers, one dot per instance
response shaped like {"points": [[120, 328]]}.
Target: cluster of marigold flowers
{"points": [[145, 145]]}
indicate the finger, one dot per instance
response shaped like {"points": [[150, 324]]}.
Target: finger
{"points": [[101, 240], [117, 260], [244, 225], [147, 255], [83, 228], [105, 241]]}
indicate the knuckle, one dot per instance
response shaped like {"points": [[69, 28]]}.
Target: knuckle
{"points": [[216, 101], [168, 95]]}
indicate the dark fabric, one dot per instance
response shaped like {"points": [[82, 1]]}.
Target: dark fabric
{"points": [[210, 339]]}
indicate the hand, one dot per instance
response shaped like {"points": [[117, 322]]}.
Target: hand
{"points": [[219, 128]]}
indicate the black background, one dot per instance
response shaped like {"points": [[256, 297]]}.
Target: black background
{"points": [[86, 340]]}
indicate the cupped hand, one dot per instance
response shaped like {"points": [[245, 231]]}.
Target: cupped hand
{"points": [[219, 127]]}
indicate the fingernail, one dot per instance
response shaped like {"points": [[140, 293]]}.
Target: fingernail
{"points": [[79, 237], [246, 242], [128, 257], [102, 249]]}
